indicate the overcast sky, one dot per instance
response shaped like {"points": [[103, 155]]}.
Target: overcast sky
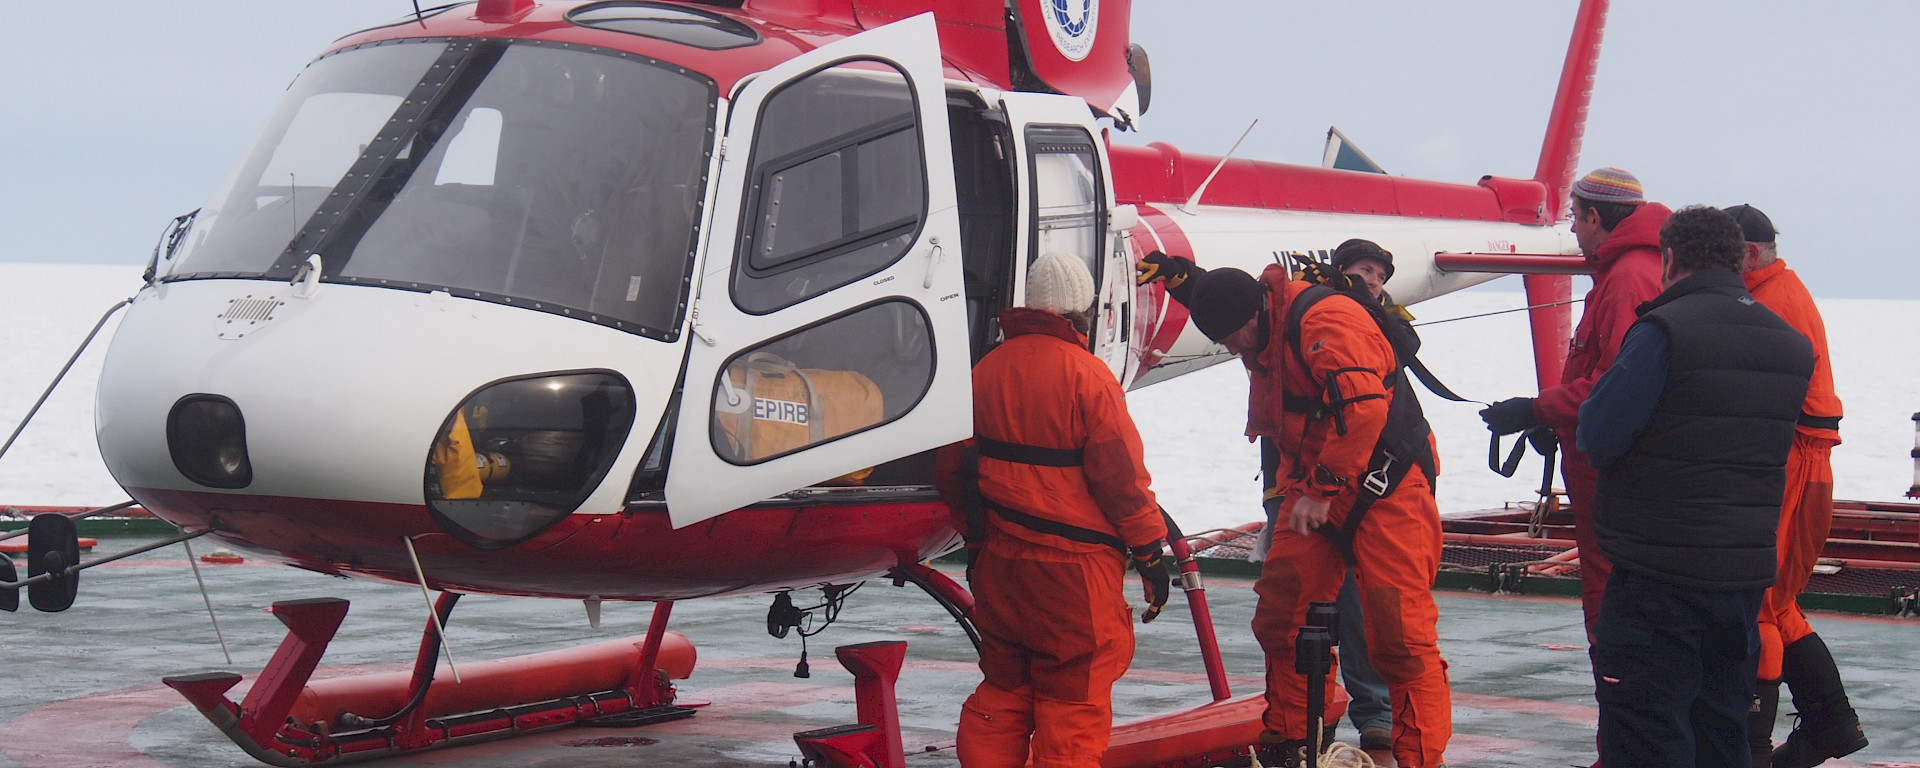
{"points": [[119, 114]]}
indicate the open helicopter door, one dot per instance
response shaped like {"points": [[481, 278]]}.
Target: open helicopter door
{"points": [[1066, 201], [830, 327]]}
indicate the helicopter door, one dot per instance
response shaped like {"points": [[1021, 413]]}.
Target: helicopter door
{"points": [[830, 324], [1066, 200]]}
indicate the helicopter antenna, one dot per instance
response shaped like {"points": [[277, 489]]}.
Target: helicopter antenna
{"points": [[1187, 207]]}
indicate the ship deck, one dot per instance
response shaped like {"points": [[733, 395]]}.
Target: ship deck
{"points": [[84, 685]]}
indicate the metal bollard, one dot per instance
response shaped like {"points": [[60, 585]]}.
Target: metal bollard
{"points": [[1313, 657], [1914, 492]]}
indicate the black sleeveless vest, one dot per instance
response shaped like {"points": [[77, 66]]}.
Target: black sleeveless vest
{"points": [[1696, 499]]}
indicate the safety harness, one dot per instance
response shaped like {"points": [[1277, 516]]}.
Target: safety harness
{"points": [[978, 504], [1403, 442]]}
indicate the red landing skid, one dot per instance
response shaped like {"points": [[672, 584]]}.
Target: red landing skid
{"points": [[286, 721]]}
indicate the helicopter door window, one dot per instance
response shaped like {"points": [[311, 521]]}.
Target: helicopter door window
{"points": [[813, 386], [1067, 206], [837, 188]]}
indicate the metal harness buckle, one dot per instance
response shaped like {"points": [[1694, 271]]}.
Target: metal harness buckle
{"points": [[1376, 481]]}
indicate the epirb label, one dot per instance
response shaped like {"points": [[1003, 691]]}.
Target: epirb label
{"points": [[786, 411]]}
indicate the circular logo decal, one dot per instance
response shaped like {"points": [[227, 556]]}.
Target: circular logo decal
{"points": [[1071, 24]]}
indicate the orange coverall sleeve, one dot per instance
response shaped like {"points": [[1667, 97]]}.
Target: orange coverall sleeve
{"points": [[1339, 336], [1116, 468]]}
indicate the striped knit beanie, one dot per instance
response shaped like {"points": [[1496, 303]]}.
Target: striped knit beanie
{"points": [[1610, 185]]}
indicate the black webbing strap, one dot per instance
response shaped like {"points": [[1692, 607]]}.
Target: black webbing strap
{"points": [[1173, 528], [1391, 474], [978, 504], [1054, 527], [976, 531], [1819, 422], [1519, 450], [1432, 382], [1302, 302], [1031, 454]]}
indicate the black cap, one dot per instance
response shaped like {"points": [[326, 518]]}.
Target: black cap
{"points": [[1754, 225], [1357, 249], [1223, 300]]}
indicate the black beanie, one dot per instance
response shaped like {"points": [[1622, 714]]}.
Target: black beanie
{"points": [[1223, 300], [1357, 249]]}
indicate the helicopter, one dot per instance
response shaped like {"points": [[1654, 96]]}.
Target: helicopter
{"points": [[641, 300]]}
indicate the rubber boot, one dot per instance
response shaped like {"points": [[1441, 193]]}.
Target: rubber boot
{"points": [[1827, 726], [1766, 704]]}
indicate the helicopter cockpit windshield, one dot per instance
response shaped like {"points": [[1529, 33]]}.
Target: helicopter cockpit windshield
{"points": [[560, 178]]}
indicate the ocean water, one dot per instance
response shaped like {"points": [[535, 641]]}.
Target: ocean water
{"points": [[1204, 471]]}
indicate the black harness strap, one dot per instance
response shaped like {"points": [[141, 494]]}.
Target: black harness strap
{"points": [[976, 531], [1432, 382], [1031, 454], [1054, 527], [1406, 430], [1383, 477], [978, 504], [1819, 422]]}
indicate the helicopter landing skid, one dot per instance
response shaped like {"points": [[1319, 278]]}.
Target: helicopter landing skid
{"points": [[286, 720]]}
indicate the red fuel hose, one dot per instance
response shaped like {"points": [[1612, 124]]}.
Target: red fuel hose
{"points": [[1202, 618]]}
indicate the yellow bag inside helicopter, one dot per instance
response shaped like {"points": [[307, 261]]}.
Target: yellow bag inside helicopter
{"points": [[782, 408]]}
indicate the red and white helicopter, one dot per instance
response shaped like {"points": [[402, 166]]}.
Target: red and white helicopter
{"points": [[646, 300]]}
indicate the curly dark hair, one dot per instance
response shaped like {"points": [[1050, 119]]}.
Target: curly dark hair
{"points": [[1702, 237]]}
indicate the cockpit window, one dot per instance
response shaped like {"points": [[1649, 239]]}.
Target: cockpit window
{"points": [[555, 177], [674, 24]]}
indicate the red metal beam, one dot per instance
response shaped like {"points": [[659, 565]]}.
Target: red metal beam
{"points": [[1513, 263], [1567, 124], [1551, 321]]}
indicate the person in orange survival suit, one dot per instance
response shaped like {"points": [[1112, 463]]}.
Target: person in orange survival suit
{"points": [[1354, 477], [1619, 233], [1052, 494], [1789, 648]]}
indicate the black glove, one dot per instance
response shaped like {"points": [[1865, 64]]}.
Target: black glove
{"points": [[1159, 266], [1152, 567], [1545, 441], [1509, 416]]}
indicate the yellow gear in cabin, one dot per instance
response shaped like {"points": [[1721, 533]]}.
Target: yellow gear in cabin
{"points": [[785, 408], [454, 460]]}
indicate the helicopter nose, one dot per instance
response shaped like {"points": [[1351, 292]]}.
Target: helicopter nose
{"points": [[207, 438]]}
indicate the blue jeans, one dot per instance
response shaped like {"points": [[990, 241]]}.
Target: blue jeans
{"points": [[1673, 671], [1370, 705]]}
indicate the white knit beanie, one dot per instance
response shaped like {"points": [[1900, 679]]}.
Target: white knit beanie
{"points": [[1059, 283]]}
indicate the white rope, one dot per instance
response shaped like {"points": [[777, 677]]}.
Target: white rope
{"points": [[208, 600], [431, 613], [1337, 755], [1342, 755]]}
